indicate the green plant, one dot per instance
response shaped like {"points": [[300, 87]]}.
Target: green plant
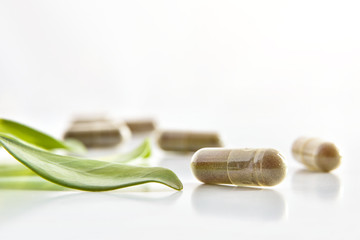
{"points": [[29, 147]]}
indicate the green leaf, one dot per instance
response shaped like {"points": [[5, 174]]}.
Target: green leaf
{"points": [[86, 174], [36, 137], [143, 151], [75, 146]]}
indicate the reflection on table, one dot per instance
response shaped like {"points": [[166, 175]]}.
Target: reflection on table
{"points": [[325, 186], [239, 202]]}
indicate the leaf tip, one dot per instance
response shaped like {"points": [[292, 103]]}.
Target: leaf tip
{"points": [[147, 148]]}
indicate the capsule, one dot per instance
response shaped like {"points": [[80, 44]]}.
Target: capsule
{"points": [[90, 119], [316, 154], [139, 126], [241, 167], [186, 141], [98, 134]]}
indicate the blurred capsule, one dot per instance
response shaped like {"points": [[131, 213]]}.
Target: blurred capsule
{"points": [[139, 126], [98, 134], [186, 141], [316, 154], [80, 119], [241, 167]]}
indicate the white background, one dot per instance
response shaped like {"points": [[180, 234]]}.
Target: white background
{"points": [[261, 73]]}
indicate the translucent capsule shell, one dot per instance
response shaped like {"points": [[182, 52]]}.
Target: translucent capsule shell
{"points": [[187, 141], [98, 134], [241, 167], [139, 126], [316, 154]]}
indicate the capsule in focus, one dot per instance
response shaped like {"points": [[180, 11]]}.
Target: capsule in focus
{"points": [[241, 167], [187, 141], [316, 154], [98, 134]]}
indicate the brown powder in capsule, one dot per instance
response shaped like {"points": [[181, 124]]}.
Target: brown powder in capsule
{"points": [[139, 126], [242, 167], [82, 119], [98, 134], [316, 154], [272, 167], [210, 166], [186, 141]]}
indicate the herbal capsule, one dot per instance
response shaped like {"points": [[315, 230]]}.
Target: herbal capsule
{"points": [[90, 119], [141, 125], [242, 167], [316, 154], [98, 134], [184, 141]]}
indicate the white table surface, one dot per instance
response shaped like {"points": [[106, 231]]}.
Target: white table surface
{"points": [[305, 205], [261, 73]]}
